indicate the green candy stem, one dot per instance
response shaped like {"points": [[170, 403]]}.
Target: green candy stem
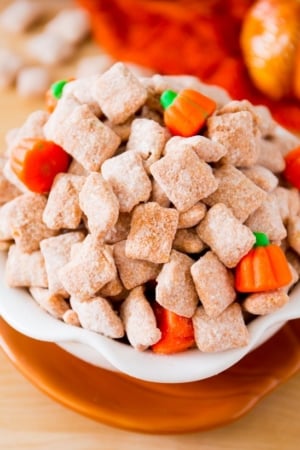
{"points": [[57, 88], [167, 98], [261, 239]]}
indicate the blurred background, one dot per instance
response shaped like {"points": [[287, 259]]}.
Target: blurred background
{"points": [[249, 47]]}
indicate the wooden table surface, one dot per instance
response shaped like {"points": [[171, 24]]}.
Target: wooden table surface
{"points": [[31, 420]]}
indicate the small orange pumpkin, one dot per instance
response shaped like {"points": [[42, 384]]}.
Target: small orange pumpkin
{"points": [[36, 162], [177, 332], [185, 113], [264, 268], [270, 42]]}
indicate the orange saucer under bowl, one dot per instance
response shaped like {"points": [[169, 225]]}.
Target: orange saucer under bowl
{"points": [[131, 404]]}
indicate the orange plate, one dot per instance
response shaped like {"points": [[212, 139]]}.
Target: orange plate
{"points": [[125, 402]]}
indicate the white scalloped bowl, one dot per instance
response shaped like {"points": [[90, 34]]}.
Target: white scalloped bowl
{"points": [[19, 310]]}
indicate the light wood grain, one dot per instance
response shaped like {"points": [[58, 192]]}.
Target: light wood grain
{"points": [[30, 420]]}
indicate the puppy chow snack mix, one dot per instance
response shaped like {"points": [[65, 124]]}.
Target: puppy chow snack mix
{"points": [[119, 217]]}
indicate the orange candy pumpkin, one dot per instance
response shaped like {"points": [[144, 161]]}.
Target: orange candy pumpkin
{"points": [[270, 42], [264, 268], [186, 113], [292, 167], [36, 162], [177, 333]]}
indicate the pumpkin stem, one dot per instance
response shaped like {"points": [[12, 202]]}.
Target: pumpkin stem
{"points": [[167, 98], [261, 239], [57, 88]]}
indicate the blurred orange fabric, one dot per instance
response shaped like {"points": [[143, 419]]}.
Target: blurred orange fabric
{"points": [[184, 37]]}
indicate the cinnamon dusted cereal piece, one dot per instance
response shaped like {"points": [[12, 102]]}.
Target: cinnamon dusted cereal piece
{"points": [[151, 233], [175, 289], [294, 202], [49, 49], [72, 25], [86, 138], [261, 114], [112, 289], [128, 178], [265, 302], [147, 138], [96, 314], [75, 168], [120, 231], [237, 192], [295, 278], [8, 191], [71, 318], [288, 201], [293, 233], [188, 241], [216, 334], [192, 216], [133, 272], [294, 260], [226, 236], [57, 252], [139, 320], [184, 178], [262, 177], [19, 15], [82, 90], [63, 109], [62, 209], [27, 226], [239, 134], [119, 93], [214, 284], [267, 219], [284, 140], [206, 149], [153, 114], [122, 129], [10, 64], [99, 203], [158, 195], [270, 155], [91, 268], [25, 269], [266, 123], [54, 304]]}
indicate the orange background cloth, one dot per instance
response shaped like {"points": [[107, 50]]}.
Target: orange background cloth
{"points": [[184, 37]]}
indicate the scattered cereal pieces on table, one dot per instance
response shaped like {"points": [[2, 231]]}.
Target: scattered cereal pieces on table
{"points": [[32, 81], [10, 65], [20, 15]]}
